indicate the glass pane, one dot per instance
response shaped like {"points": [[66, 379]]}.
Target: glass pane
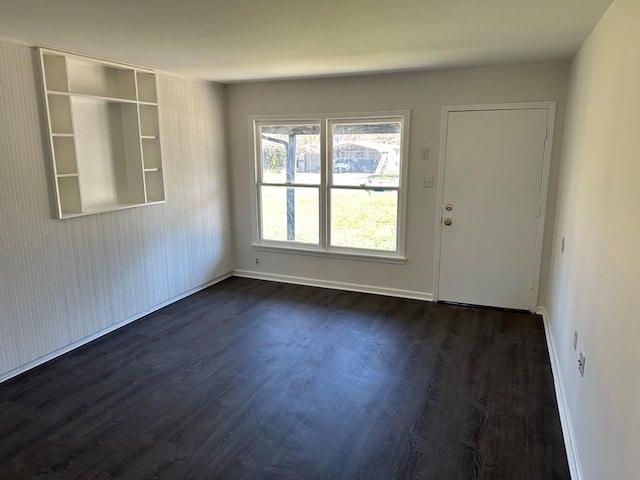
{"points": [[366, 153], [290, 214], [364, 219], [290, 153]]}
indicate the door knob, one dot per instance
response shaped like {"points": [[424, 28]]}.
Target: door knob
{"points": [[447, 221], [448, 207]]}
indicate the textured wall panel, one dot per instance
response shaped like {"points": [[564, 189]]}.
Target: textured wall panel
{"points": [[64, 280]]}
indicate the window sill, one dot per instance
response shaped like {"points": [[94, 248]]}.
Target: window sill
{"points": [[363, 257]]}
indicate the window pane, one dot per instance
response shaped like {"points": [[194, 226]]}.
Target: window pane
{"points": [[290, 214], [290, 153], [364, 219], [366, 153]]}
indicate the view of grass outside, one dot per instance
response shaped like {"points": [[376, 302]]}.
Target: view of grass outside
{"points": [[364, 219], [359, 218], [274, 214]]}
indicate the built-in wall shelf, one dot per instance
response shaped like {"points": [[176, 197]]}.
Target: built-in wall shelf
{"points": [[104, 134]]}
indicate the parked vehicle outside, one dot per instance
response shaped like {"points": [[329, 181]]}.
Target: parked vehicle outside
{"points": [[341, 167]]}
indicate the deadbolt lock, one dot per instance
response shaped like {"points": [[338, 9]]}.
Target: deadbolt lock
{"points": [[447, 221], [448, 207]]}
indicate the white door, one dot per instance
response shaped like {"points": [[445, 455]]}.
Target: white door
{"points": [[493, 168]]}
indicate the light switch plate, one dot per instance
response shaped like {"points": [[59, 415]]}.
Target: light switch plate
{"points": [[427, 182]]}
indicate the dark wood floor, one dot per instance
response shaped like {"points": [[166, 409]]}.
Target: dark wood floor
{"points": [[252, 379]]}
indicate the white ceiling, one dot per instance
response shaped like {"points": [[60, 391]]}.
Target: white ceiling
{"points": [[240, 40]]}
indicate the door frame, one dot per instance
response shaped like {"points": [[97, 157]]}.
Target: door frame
{"points": [[544, 186]]}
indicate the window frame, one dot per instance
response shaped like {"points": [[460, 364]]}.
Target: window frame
{"points": [[323, 248]]}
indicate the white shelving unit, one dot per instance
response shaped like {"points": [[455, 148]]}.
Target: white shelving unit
{"points": [[104, 132]]}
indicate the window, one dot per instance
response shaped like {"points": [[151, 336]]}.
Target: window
{"points": [[331, 185]]}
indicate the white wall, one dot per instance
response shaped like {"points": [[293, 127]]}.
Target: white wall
{"points": [[62, 281], [424, 93], [595, 283]]}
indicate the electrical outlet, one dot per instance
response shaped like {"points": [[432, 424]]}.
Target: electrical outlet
{"points": [[581, 360], [257, 262], [575, 340]]}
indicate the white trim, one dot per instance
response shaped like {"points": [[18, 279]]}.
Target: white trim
{"points": [[276, 118], [360, 255], [325, 120], [352, 287], [542, 199], [563, 406], [439, 200], [111, 63], [66, 349], [544, 183], [253, 180], [324, 194], [499, 106]]}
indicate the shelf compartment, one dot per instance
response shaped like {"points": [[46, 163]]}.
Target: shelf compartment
{"points": [[99, 79], [108, 153], [151, 153], [154, 185], [146, 87], [60, 114], [149, 121], [64, 152], [69, 194], [55, 72]]}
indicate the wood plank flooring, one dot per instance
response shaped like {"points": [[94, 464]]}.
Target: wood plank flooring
{"points": [[259, 380]]}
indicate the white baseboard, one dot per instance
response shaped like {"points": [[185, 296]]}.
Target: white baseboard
{"points": [[353, 287], [50, 356], [563, 406]]}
